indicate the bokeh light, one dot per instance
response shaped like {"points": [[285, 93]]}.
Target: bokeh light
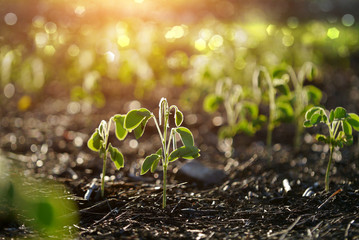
{"points": [[10, 18], [348, 20], [333, 33]]}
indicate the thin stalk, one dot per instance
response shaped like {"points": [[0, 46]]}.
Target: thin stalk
{"points": [[103, 175], [105, 159], [169, 143], [158, 127], [164, 197], [328, 168], [271, 120]]}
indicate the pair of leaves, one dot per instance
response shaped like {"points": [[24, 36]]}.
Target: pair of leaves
{"points": [[151, 162], [348, 121], [314, 116], [212, 102], [97, 143], [188, 151], [134, 120], [284, 111]]}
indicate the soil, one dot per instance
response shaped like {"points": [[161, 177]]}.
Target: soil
{"points": [[252, 201]]}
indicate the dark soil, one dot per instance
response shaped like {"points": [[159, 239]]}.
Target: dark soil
{"points": [[251, 202]]}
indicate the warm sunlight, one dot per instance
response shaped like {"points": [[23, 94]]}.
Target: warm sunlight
{"points": [[177, 119]]}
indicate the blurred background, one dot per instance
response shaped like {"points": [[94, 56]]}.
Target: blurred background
{"points": [[93, 50], [67, 64]]}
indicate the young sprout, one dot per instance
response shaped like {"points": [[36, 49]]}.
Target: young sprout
{"points": [[340, 125], [136, 120], [98, 142], [242, 114], [280, 109], [304, 97]]}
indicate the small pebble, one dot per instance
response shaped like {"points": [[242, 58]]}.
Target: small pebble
{"points": [[308, 192], [286, 185]]}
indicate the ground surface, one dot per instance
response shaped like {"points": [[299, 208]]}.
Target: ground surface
{"points": [[251, 200]]}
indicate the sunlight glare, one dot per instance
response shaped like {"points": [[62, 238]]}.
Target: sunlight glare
{"points": [[175, 33], [80, 10], [49, 50], [200, 44], [123, 41], [41, 39], [110, 56]]}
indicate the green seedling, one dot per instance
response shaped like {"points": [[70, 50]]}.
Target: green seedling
{"points": [[98, 142], [280, 109], [340, 125], [242, 114], [302, 97], [136, 121]]}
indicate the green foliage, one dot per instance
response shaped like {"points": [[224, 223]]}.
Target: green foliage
{"points": [[288, 97], [40, 205], [340, 125], [135, 121], [242, 113], [98, 142]]}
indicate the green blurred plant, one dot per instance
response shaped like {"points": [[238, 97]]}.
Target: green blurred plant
{"points": [[136, 121], [40, 204], [89, 92], [242, 114], [280, 109], [98, 142], [302, 97], [340, 125]]}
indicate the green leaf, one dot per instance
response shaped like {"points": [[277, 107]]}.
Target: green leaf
{"points": [[311, 111], [148, 162], [284, 111], [348, 140], [307, 124], [322, 138], [340, 113], [314, 94], [187, 152], [252, 109], [121, 132], [279, 71], [95, 141], [116, 156], [140, 129], [134, 118], [311, 73], [331, 116], [353, 120], [211, 103], [282, 86], [186, 136], [316, 118], [347, 128], [155, 164], [178, 117]]}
